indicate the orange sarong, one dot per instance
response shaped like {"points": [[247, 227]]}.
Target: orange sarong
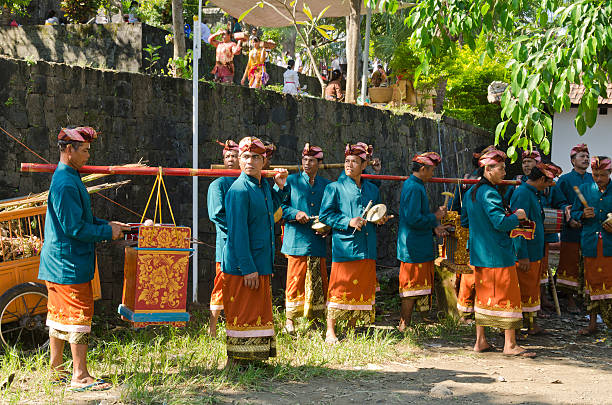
{"points": [[529, 281], [416, 281], [306, 291], [216, 296], [352, 290], [569, 266], [498, 297], [544, 265], [249, 321], [467, 294], [70, 307], [598, 275]]}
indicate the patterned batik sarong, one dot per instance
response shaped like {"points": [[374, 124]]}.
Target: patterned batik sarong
{"points": [[498, 297], [216, 297], [416, 281], [529, 282], [352, 290], [568, 272], [544, 265], [249, 321], [598, 283], [467, 294], [306, 291], [70, 309]]}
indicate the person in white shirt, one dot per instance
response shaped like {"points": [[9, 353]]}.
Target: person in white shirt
{"points": [[291, 79], [205, 31]]}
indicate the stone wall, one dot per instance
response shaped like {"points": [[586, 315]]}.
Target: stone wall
{"points": [[117, 47], [150, 118]]}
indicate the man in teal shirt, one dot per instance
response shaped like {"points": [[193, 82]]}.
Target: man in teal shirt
{"points": [[306, 290], [248, 257], [352, 283], [568, 272], [596, 241], [67, 260], [529, 253], [215, 201], [415, 240]]}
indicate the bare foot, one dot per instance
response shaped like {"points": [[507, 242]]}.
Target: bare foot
{"points": [[331, 338], [483, 348], [289, 328], [518, 351], [403, 325]]}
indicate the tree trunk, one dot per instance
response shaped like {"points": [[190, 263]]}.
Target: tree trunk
{"points": [[440, 94], [288, 42], [178, 28], [352, 51]]}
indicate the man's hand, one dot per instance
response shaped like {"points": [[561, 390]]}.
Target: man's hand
{"points": [[252, 281], [280, 178], [357, 223], [607, 227], [568, 213], [118, 229], [376, 165], [441, 213], [574, 224], [520, 214], [589, 212], [523, 265], [441, 230], [384, 219], [301, 217]]}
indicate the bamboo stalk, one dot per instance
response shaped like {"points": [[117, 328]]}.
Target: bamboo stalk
{"points": [[178, 171], [292, 168]]}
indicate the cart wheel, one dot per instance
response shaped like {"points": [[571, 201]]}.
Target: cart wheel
{"points": [[23, 314]]}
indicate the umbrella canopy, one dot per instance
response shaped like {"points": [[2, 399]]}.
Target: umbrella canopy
{"points": [[278, 16]]}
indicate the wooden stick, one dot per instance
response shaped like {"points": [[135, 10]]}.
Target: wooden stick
{"points": [[581, 197], [293, 168], [551, 280]]}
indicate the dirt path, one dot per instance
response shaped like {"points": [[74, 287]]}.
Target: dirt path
{"points": [[568, 370]]}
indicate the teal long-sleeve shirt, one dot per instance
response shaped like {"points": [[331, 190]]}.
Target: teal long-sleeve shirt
{"points": [[215, 201], [528, 197], [566, 184], [250, 205], [342, 201], [415, 242], [300, 239], [489, 243], [592, 227], [71, 231]]}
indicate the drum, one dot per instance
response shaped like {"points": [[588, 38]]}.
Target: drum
{"points": [[553, 220], [376, 213], [455, 255]]}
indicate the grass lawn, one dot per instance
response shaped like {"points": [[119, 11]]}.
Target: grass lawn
{"points": [[184, 365]]}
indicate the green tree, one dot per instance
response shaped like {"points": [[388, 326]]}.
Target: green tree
{"points": [[554, 43]]}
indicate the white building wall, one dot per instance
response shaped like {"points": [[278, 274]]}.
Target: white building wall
{"points": [[565, 137]]}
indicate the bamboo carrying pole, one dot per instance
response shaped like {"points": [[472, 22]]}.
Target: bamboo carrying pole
{"points": [[292, 168], [183, 171]]}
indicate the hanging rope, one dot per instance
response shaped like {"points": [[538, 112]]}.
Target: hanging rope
{"points": [[46, 161], [157, 185], [22, 144]]}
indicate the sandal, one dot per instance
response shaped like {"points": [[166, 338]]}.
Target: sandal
{"points": [[93, 387]]}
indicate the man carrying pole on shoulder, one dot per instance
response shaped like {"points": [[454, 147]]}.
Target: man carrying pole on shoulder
{"points": [[248, 257]]}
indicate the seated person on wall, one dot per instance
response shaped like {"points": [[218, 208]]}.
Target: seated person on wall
{"points": [[67, 259], [333, 90]]}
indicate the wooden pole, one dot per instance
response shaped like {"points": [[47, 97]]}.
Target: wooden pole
{"points": [[292, 168], [184, 171]]}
